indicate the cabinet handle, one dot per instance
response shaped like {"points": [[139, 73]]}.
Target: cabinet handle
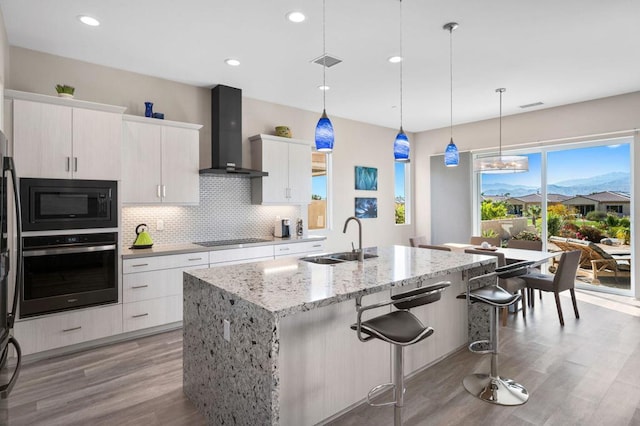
{"points": [[75, 164], [140, 315], [68, 164], [140, 286], [158, 192], [317, 245], [140, 264], [284, 249], [194, 259], [164, 191], [72, 329]]}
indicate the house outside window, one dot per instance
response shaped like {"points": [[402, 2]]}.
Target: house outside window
{"points": [[401, 193], [319, 206]]}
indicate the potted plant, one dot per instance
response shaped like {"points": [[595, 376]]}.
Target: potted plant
{"points": [[65, 91]]}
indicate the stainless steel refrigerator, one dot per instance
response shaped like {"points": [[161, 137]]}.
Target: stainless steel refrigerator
{"points": [[9, 368]]}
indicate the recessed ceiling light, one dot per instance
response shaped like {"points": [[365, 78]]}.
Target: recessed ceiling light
{"points": [[88, 20], [296, 17], [324, 88], [395, 59], [232, 62]]}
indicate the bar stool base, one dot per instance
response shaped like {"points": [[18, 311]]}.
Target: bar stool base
{"points": [[495, 390]]}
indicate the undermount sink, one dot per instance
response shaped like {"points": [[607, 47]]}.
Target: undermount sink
{"points": [[333, 258], [350, 255]]}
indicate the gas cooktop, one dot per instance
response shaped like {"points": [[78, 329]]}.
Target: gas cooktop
{"points": [[231, 242]]}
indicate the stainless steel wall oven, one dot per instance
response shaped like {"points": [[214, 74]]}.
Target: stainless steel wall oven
{"points": [[64, 272]]}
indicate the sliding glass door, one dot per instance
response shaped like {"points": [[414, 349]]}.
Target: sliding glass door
{"points": [[574, 197]]}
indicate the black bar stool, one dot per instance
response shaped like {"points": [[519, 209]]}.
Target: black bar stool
{"points": [[400, 328], [491, 387]]}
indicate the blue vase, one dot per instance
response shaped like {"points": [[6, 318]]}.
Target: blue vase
{"points": [[148, 109]]}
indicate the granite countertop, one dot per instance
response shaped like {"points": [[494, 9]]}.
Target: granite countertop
{"points": [[286, 286], [181, 248]]}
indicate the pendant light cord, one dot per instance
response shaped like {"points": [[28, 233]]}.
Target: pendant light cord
{"points": [[324, 59], [401, 61], [451, 81], [500, 140]]}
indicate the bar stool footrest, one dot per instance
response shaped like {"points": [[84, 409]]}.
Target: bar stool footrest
{"points": [[476, 347], [376, 391], [496, 390]]}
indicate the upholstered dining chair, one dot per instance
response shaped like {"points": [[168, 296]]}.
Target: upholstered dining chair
{"points": [[527, 245], [417, 240], [512, 285], [435, 247], [564, 279], [477, 241]]}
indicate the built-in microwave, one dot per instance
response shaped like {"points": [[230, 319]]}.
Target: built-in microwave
{"points": [[52, 204]]}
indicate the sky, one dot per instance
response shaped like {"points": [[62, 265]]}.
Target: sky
{"points": [[570, 164]]}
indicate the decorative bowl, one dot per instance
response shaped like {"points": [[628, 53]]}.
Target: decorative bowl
{"points": [[283, 131]]}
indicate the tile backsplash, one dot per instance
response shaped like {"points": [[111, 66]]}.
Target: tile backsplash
{"points": [[225, 212]]}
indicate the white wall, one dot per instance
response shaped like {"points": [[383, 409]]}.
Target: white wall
{"points": [[356, 143], [580, 120], [4, 67]]}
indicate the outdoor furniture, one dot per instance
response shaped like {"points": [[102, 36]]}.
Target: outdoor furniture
{"points": [[477, 241], [417, 240], [594, 260], [434, 247], [564, 279], [512, 284]]}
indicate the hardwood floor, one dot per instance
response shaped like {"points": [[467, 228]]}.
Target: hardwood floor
{"points": [[587, 373]]}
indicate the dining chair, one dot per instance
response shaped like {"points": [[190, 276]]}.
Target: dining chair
{"points": [[477, 241], [512, 284], [527, 245], [435, 247], [564, 279], [417, 240]]}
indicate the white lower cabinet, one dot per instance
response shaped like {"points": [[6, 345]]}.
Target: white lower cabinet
{"points": [[68, 328], [152, 288], [153, 312], [298, 249], [242, 255]]}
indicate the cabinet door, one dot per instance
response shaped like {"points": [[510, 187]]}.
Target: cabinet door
{"points": [[180, 165], [299, 173], [97, 140], [275, 156], [141, 162], [42, 139]]}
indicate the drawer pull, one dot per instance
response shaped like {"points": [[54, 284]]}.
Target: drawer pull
{"points": [[72, 329], [72, 300], [140, 315], [140, 286], [284, 249], [317, 245], [140, 264], [195, 258]]}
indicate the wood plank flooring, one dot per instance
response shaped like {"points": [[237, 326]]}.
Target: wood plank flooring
{"points": [[587, 373]]}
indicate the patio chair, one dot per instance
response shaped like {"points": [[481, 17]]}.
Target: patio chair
{"points": [[594, 261]]}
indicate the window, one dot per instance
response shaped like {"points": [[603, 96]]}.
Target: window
{"points": [[318, 208], [401, 191]]}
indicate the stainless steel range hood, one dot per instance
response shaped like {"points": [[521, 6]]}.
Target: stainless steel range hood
{"points": [[226, 134]]}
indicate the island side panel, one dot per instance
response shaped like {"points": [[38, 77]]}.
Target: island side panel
{"points": [[324, 368], [230, 382]]}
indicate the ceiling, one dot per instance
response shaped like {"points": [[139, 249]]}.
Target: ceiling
{"points": [[550, 51]]}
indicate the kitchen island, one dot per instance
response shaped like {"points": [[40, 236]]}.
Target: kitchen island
{"points": [[269, 342]]}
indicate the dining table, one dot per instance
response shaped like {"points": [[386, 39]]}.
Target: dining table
{"points": [[511, 254]]}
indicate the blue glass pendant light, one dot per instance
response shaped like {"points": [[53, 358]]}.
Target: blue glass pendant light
{"points": [[324, 128], [401, 144], [451, 155]]}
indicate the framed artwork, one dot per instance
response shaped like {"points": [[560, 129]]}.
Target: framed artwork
{"points": [[366, 178], [366, 208]]}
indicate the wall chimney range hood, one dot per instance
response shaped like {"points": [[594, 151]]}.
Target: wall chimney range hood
{"points": [[226, 134]]}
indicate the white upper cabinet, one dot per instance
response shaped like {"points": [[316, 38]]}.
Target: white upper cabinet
{"points": [[288, 162], [160, 161], [65, 139]]}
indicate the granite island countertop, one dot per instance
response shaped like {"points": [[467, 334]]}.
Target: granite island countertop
{"points": [[286, 286], [181, 248]]}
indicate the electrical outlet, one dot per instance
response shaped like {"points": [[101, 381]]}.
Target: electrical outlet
{"points": [[160, 225], [227, 330]]}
